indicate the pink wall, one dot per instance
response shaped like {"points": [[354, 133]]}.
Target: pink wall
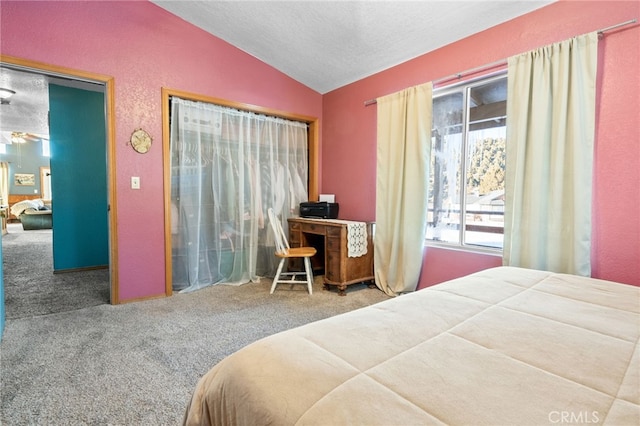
{"points": [[144, 48], [349, 130]]}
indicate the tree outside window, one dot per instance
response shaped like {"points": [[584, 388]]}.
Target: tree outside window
{"points": [[466, 188]]}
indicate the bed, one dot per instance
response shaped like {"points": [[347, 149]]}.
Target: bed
{"points": [[505, 346], [33, 214]]}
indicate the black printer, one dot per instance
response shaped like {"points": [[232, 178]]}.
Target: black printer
{"points": [[319, 209]]}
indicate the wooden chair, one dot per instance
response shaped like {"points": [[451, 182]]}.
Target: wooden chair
{"points": [[284, 252]]}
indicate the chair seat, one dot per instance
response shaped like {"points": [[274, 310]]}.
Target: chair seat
{"points": [[284, 252], [298, 252]]}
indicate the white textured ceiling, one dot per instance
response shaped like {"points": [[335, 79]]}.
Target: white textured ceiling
{"points": [[28, 110], [29, 107], [328, 44]]}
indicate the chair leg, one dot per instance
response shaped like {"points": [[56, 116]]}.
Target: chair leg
{"points": [[277, 277], [307, 267]]}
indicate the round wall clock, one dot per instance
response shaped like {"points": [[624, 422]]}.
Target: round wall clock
{"points": [[141, 141]]}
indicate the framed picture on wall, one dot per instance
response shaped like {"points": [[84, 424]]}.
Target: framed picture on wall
{"points": [[24, 179]]}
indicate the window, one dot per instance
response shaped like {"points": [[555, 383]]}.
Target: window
{"points": [[466, 184], [46, 151]]}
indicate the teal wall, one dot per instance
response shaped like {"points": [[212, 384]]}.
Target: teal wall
{"points": [[78, 178], [25, 158]]}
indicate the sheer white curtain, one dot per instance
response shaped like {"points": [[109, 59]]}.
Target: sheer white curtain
{"points": [[550, 137], [227, 168], [403, 158]]}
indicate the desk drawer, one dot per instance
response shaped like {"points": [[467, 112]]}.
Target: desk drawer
{"points": [[332, 271], [294, 234], [312, 228], [334, 254], [294, 238], [334, 231], [333, 244]]}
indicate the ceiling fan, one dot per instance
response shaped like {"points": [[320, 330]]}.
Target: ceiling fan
{"points": [[23, 137]]}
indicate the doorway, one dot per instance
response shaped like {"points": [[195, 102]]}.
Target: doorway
{"points": [[45, 183], [104, 84]]}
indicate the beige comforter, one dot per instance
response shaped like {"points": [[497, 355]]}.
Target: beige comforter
{"points": [[505, 346]]}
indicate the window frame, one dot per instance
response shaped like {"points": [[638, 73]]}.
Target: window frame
{"points": [[463, 87]]}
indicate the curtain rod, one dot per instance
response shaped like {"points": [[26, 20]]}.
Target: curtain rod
{"points": [[456, 75], [503, 61], [621, 24]]}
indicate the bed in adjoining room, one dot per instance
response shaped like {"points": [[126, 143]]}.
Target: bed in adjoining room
{"points": [[505, 346], [33, 214]]}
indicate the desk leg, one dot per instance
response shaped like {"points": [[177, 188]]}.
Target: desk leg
{"points": [[341, 288]]}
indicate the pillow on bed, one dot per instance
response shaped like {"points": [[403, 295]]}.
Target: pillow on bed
{"points": [[21, 206]]}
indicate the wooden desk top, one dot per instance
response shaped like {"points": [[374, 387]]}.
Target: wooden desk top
{"points": [[333, 222]]}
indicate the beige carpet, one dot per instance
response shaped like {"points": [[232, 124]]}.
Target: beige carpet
{"points": [[31, 288], [137, 363]]}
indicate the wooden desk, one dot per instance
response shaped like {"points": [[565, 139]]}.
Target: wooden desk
{"points": [[330, 240]]}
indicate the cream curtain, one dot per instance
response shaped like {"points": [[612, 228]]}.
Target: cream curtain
{"points": [[550, 137], [403, 157]]}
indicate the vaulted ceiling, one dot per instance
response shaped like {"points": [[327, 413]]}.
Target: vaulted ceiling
{"points": [[322, 44], [328, 44]]}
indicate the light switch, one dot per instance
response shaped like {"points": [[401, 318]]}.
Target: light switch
{"points": [[135, 182]]}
